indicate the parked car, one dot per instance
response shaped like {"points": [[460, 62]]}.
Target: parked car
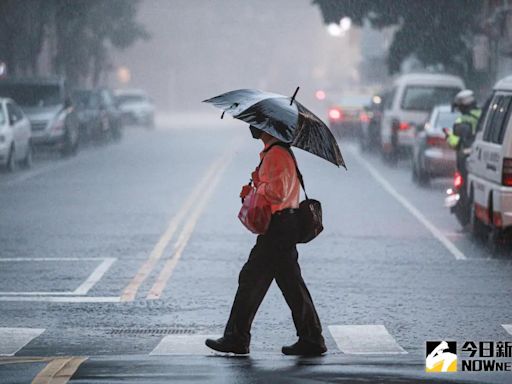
{"points": [[136, 107], [15, 136], [432, 157], [410, 100], [100, 119], [489, 183], [45, 102], [369, 137], [345, 115], [86, 115]]}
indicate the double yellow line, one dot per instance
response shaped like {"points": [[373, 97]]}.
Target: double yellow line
{"points": [[190, 211], [59, 370]]}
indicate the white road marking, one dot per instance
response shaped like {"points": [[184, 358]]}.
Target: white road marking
{"points": [[95, 276], [508, 327], [31, 174], [65, 299], [145, 270], [411, 208], [13, 339], [183, 345], [365, 339], [165, 274]]}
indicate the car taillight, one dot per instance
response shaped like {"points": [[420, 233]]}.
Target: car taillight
{"points": [[335, 114], [457, 180], [404, 126], [364, 118], [435, 141], [507, 172], [401, 125]]}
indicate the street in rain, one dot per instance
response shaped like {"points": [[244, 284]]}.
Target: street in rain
{"points": [[223, 191]]}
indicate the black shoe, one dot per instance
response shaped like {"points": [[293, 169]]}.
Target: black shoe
{"points": [[226, 346], [304, 348]]}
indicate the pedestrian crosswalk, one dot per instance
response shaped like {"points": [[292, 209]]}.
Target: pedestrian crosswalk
{"points": [[14, 339], [364, 339], [360, 339]]}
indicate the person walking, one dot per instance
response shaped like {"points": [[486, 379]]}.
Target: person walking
{"points": [[274, 257]]}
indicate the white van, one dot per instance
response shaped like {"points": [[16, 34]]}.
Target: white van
{"points": [[490, 167], [408, 105]]}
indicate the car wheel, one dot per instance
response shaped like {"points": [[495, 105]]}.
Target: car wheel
{"points": [[476, 227], [498, 241], [67, 144], [423, 176], [27, 160], [11, 160]]}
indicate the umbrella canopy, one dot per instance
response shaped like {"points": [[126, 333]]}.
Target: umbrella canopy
{"points": [[282, 117]]}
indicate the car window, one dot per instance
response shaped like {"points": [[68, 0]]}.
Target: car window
{"points": [[32, 95], [2, 115], [424, 98], [14, 112], [388, 99], [445, 120], [498, 115], [131, 98]]}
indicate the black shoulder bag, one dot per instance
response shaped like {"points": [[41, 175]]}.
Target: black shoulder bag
{"points": [[310, 210]]}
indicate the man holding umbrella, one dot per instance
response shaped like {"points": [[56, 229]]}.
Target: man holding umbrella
{"points": [[275, 254]]}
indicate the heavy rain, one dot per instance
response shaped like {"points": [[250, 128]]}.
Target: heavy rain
{"points": [[223, 191]]}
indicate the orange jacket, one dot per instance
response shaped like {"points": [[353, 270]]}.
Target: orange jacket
{"points": [[278, 180]]}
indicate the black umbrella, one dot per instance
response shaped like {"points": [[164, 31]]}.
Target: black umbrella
{"points": [[282, 117]]}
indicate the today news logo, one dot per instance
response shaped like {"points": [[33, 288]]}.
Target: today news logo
{"points": [[475, 356], [441, 356]]}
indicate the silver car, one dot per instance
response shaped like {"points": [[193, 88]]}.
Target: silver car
{"points": [[432, 157], [52, 116]]}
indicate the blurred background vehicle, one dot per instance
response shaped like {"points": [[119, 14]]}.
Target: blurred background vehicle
{"points": [[136, 107], [410, 100], [432, 157], [369, 137], [344, 115], [15, 144], [46, 103], [100, 119]]}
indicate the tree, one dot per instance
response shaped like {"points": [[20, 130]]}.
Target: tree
{"points": [[82, 33], [435, 31]]}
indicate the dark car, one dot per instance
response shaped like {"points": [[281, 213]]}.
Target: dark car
{"points": [[100, 119], [345, 115], [46, 103], [369, 138]]}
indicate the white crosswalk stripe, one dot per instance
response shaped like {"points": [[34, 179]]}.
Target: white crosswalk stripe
{"points": [[508, 327], [13, 339], [183, 345], [365, 339]]}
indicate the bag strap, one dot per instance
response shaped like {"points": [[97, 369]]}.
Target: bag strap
{"points": [[287, 147]]}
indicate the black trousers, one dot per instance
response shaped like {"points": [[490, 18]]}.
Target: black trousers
{"points": [[274, 257]]}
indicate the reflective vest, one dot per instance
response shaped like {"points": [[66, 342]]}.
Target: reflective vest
{"points": [[470, 118]]}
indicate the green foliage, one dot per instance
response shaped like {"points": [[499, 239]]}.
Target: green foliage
{"points": [[81, 31], [435, 31]]}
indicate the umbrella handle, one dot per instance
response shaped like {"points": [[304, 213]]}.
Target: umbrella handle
{"points": [[294, 94]]}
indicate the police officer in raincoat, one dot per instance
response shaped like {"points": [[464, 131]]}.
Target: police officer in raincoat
{"points": [[464, 102]]}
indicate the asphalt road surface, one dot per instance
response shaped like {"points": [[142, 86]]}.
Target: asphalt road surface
{"points": [[116, 264]]}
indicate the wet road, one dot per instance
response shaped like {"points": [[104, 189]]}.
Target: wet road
{"points": [[116, 264]]}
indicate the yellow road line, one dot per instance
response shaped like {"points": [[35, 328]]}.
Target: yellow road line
{"points": [[23, 360], [130, 292], [59, 370], [186, 233]]}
